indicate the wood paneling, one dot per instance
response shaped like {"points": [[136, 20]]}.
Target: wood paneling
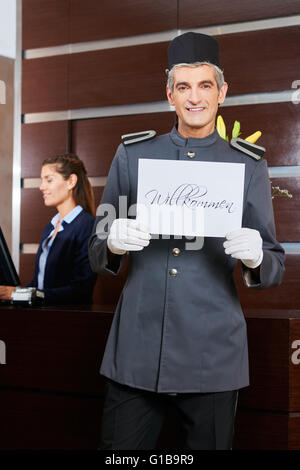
{"points": [[264, 61], [39, 141], [126, 75], [31, 348], [193, 13], [45, 84], [279, 124], [95, 141], [285, 296], [92, 20], [118, 76], [45, 23], [286, 211], [269, 363], [26, 268], [258, 430], [39, 421], [98, 191]]}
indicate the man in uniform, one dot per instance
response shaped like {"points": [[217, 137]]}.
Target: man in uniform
{"points": [[178, 333]]}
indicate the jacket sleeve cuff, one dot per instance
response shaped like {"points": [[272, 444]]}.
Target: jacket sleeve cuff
{"points": [[113, 263]]}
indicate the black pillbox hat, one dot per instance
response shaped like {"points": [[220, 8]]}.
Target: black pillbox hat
{"points": [[193, 47]]}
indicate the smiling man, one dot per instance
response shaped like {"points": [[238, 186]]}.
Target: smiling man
{"points": [[179, 335], [195, 94]]}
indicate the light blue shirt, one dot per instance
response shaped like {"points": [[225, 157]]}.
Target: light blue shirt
{"points": [[46, 244]]}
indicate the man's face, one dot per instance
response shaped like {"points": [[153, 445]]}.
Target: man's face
{"points": [[196, 98]]}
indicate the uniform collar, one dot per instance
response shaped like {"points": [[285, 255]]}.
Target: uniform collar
{"points": [[192, 141]]}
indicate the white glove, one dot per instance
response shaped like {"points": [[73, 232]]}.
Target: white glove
{"points": [[127, 235], [245, 244]]}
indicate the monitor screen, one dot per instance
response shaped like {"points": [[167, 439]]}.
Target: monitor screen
{"points": [[8, 273]]}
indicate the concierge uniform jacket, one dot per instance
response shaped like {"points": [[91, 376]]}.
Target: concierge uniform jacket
{"points": [[68, 275], [184, 332]]}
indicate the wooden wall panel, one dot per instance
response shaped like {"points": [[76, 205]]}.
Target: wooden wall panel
{"points": [[261, 430], [257, 430], [123, 76], [39, 421], [118, 76], [287, 211], [269, 351], [285, 296], [26, 268], [195, 13], [45, 84], [95, 141], [39, 141], [279, 124], [92, 20], [45, 23], [264, 61], [42, 339]]}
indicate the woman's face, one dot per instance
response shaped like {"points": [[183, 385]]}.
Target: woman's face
{"points": [[55, 189]]}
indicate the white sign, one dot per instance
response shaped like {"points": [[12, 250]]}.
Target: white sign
{"points": [[190, 198]]}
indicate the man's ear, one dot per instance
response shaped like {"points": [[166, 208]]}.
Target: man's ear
{"points": [[169, 96], [222, 93]]}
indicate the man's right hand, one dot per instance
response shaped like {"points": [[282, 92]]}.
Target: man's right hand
{"points": [[127, 235]]}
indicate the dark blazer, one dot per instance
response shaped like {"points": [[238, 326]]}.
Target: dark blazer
{"points": [[68, 276]]}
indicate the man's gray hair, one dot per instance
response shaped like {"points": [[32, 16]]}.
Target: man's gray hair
{"points": [[219, 75]]}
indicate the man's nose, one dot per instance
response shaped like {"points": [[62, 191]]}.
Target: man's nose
{"points": [[195, 95]]}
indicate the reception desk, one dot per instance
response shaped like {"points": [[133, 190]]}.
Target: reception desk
{"points": [[51, 392]]}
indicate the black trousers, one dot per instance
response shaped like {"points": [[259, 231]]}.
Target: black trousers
{"points": [[132, 418]]}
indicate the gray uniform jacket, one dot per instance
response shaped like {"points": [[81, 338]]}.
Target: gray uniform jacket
{"points": [[184, 332]]}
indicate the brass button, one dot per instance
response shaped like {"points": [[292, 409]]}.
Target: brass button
{"points": [[176, 251], [191, 154], [173, 272]]}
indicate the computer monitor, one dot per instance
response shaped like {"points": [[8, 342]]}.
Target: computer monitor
{"points": [[8, 273]]}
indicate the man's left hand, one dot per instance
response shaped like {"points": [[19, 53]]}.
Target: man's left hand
{"points": [[245, 244]]}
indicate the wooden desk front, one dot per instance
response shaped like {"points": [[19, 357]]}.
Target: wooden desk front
{"points": [[51, 392]]}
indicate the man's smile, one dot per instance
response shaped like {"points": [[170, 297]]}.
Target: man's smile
{"points": [[195, 109]]}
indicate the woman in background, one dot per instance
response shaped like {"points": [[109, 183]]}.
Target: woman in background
{"points": [[62, 268]]}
